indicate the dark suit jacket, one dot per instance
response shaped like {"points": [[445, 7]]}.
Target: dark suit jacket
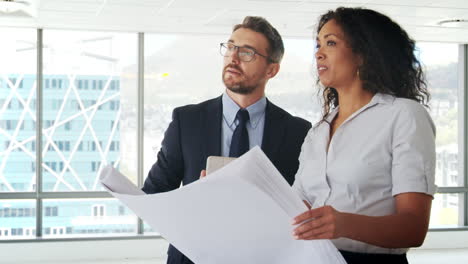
{"points": [[195, 133]]}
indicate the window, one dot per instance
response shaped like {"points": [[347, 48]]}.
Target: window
{"points": [[57, 231], [112, 105], [291, 89], [95, 166], [13, 125], [86, 104], [121, 210], [17, 231], [446, 110], [84, 124], [51, 211], [98, 210], [4, 232], [112, 146], [18, 71], [13, 82], [29, 231], [15, 216]]}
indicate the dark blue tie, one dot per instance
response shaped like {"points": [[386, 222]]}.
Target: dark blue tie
{"points": [[240, 137]]}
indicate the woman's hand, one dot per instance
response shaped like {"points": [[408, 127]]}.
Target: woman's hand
{"points": [[320, 223]]}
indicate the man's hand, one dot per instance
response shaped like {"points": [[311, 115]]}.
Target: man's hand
{"points": [[202, 174]]}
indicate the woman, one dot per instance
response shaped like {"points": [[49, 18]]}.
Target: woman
{"points": [[367, 169]]}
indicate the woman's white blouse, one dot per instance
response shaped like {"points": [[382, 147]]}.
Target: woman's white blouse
{"points": [[384, 149]]}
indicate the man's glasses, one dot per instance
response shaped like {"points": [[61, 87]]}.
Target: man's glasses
{"points": [[245, 53]]}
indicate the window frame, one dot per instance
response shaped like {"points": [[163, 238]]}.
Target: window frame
{"points": [[39, 195], [463, 124]]}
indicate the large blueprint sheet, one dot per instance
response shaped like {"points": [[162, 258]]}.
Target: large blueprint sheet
{"points": [[241, 213]]}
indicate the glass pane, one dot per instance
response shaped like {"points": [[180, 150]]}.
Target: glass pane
{"points": [[447, 210], [148, 230], [87, 217], [89, 108], [17, 219], [441, 63], [194, 76], [294, 88], [17, 110], [171, 81]]}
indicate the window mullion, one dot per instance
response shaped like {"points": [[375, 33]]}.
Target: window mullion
{"points": [[39, 108], [140, 118], [464, 79]]}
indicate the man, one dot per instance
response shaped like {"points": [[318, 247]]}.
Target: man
{"points": [[233, 123]]}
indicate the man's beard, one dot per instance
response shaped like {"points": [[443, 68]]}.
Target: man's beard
{"points": [[239, 87]]}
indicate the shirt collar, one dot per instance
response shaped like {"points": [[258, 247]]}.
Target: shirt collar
{"points": [[378, 98], [256, 110]]}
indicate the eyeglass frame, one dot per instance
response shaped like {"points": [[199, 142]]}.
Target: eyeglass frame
{"points": [[222, 44]]}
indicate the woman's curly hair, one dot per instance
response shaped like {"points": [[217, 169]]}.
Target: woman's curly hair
{"points": [[389, 64]]}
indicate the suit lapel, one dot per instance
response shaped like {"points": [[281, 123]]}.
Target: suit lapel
{"points": [[211, 130], [274, 131]]}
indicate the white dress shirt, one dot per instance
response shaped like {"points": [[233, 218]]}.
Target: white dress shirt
{"points": [[385, 148]]}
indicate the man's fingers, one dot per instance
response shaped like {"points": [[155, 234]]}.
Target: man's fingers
{"points": [[202, 174]]}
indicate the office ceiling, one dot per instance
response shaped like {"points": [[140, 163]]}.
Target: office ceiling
{"points": [[293, 18]]}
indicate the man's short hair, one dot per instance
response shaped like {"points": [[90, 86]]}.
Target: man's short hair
{"points": [[261, 25]]}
